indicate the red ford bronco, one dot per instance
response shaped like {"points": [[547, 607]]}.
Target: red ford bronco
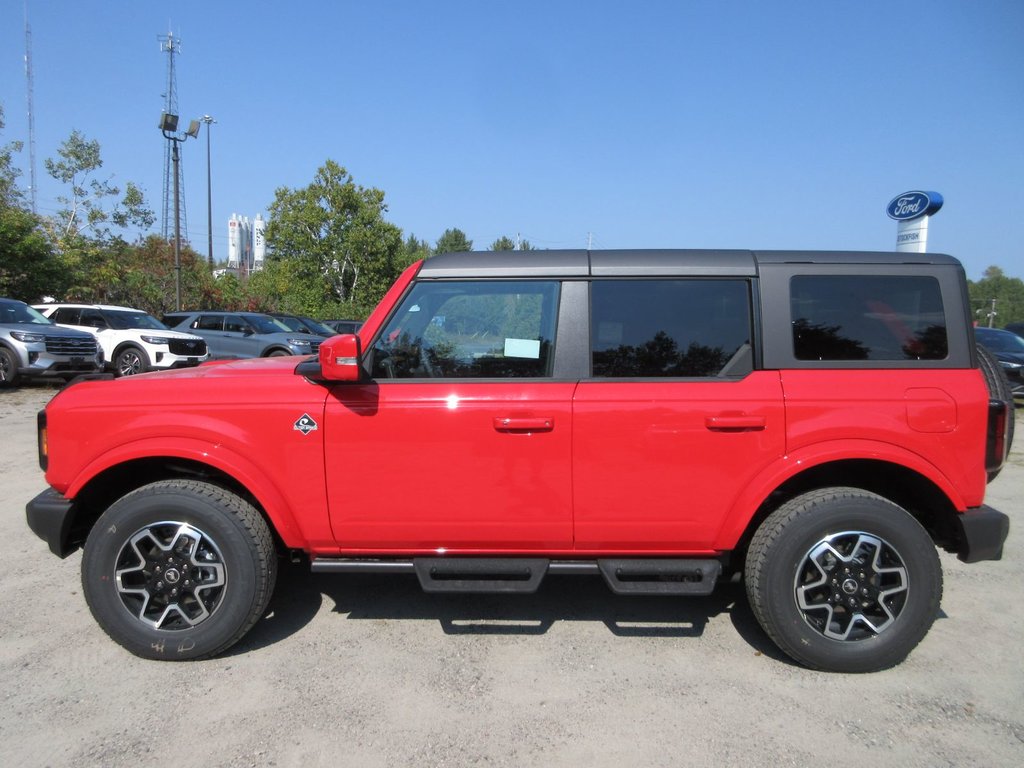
{"points": [[817, 422]]}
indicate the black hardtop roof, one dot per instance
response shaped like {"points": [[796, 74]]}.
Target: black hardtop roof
{"points": [[640, 262]]}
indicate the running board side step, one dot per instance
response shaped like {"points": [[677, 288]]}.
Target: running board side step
{"points": [[654, 576], [480, 574], [624, 576]]}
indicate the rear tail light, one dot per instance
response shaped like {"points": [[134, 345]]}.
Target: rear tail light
{"points": [[995, 443]]}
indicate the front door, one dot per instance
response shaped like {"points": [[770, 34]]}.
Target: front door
{"points": [[461, 442]]}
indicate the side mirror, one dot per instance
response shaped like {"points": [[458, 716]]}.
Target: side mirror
{"points": [[341, 358]]}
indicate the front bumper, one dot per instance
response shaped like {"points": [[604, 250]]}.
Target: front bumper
{"points": [[982, 532], [50, 517]]}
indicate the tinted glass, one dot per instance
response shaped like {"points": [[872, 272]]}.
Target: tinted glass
{"points": [[67, 315], [852, 317], [670, 328], [122, 319], [482, 329], [16, 313], [209, 323]]}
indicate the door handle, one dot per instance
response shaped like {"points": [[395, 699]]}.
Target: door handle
{"points": [[739, 423], [516, 424]]}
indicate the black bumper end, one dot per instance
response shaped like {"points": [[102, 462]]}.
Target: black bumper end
{"points": [[982, 533], [50, 518]]}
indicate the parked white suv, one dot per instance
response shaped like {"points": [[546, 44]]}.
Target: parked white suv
{"points": [[132, 340]]}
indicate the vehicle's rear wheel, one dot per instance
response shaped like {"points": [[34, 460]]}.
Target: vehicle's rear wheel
{"points": [[129, 361], [843, 580], [178, 570], [8, 368], [999, 388]]}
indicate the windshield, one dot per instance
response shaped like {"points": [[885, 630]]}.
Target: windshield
{"points": [[122, 319], [293, 323], [315, 326], [1002, 342], [266, 324], [16, 313]]}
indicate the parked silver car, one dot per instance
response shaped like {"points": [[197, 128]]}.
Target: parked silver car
{"points": [[32, 347], [243, 334]]}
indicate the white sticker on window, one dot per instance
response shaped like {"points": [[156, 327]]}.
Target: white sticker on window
{"points": [[528, 348]]}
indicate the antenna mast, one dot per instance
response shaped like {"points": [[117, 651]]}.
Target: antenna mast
{"points": [[171, 45], [29, 87]]}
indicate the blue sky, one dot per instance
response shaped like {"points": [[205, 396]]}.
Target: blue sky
{"points": [[684, 124]]}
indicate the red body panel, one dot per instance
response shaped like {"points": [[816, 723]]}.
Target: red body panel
{"points": [[425, 466], [657, 465], [238, 417]]}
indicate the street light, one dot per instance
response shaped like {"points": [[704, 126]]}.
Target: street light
{"points": [[209, 194], [168, 126]]}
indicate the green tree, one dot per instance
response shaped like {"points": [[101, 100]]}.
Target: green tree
{"points": [[416, 249], [505, 243], [93, 205], [453, 241], [28, 268], [995, 291], [335, 234]]}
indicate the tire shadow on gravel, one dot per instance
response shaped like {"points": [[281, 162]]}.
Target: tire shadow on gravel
{"points": [[299, 596]]}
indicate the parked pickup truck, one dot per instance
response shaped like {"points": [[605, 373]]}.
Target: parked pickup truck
{"points": [[817, 423]]}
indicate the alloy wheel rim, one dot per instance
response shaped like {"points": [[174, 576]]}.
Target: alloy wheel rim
{"points": [[170, 576], [851, 586]]}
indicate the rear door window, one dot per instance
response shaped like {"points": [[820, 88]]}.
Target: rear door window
{"points": [[684, 328]]}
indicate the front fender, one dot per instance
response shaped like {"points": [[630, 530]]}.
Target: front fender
{"points": [[788, 467], [278, 503]]}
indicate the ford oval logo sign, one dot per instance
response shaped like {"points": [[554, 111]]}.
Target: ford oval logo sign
{"points": [[913, 205]]}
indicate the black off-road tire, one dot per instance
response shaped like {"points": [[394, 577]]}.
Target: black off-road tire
{"points": [[999, 388], [843, 580], [178, 570]]}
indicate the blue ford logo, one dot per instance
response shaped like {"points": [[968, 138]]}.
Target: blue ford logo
{"points": [[913, 205]]}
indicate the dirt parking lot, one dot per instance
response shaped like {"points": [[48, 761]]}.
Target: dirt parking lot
{"points": [[369, 671]]}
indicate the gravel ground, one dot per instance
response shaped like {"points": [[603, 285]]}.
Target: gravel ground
{"points": [[369, 671]]}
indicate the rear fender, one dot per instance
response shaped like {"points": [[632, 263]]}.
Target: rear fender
{"points": [[788, 467]]}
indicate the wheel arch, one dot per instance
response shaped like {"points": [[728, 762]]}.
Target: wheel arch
{"points": [[129, 344], [275, 349], [925, 499], [117, 479]]}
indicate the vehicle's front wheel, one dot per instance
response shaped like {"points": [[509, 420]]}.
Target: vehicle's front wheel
{"points": [[129, 361], [8, 368], [843, 580], [178, 570]]}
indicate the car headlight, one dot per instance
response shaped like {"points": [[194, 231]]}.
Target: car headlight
{"points": [[155, 339], [298, 342], [1010, 366], [27, 337]]}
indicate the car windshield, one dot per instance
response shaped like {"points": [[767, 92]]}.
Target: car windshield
{"points": [[1002, 342], [16, 313], [266, 324], [293, 323], [317, 327], [122, 319]]}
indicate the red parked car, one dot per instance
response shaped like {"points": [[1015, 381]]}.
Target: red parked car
{"points": [[817, 422]]}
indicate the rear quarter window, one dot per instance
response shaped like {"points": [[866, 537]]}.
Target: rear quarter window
{"points": [[867, 317]]}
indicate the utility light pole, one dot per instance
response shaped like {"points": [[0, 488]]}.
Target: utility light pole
{"points": [[168, 126], [209, 194]]}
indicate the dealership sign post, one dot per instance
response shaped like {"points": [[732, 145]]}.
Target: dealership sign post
{"points": [[911, 210]]}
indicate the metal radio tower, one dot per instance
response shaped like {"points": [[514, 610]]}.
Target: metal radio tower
{"points": [[170, 45]]}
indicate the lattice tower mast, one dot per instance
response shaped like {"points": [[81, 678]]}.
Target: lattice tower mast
{"points": [[171, 45]]}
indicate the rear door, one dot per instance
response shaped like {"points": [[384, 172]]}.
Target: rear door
{"points": [[674, 421], [461, 442]]}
